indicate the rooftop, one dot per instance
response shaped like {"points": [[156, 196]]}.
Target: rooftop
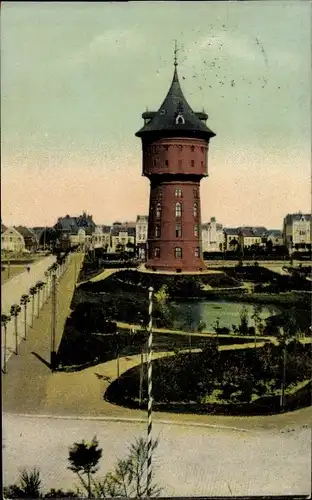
{"points": [[175, 116]]}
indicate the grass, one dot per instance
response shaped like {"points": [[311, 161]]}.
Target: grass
{"points": [[14, 270]]}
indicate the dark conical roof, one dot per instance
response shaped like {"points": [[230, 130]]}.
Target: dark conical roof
{"points": [[175, 116]]}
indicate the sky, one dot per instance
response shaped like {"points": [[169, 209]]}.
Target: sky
{"points": [[76, 78]]}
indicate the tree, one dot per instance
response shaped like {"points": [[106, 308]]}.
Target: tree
{"points": [[14, 311], [243, 327], [84, 458], [29, 486], [4, 321], [32, 292], [24, 301], [128, 480], [39, 286]]}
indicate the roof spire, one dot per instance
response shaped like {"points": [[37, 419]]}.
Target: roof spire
{"points": [[175, 53]]}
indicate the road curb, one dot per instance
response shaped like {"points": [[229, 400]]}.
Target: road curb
{"points": [[127, 419]]}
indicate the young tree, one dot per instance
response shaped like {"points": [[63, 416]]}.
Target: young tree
{"points": [[29, 486], [128, 480], [4, 321], [39, 286], [32, 292], [24, 301], [14, 311], [84, 458]]}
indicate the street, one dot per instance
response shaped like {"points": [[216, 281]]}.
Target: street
{"points": [[11, 293], [189, 460]]}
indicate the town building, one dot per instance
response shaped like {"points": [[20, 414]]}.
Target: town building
{"points": [[175, 142], [30, 238], [212, 236], [141, 230], [123, 237], [275, 236], [73, 231], [248, 237], [12, 241], [101, 238], [297, 231], [231, 239]]}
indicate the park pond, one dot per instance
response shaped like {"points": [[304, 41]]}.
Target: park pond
{"points": [[188, 314]]}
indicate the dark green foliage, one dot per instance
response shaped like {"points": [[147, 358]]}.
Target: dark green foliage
{"points": [[84, 461], [29, 486]]}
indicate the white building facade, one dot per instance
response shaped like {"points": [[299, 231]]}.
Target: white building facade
{"points": [[212, 236], [297, 231]]}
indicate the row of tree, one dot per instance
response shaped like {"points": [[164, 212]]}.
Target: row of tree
{"points": [[41, 289]]}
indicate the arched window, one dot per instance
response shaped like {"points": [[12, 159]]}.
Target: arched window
{"points": [[192, 149], [196, 230], [195, 209], [178, 230], [178, 253], [178, 209], [180, 119], [197, 252], [156, 252], [158, 210], [157, 231], [178, 193], [192, 163], [195, 193]]}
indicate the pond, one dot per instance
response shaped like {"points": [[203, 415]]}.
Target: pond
{"points": [[188, 314]]}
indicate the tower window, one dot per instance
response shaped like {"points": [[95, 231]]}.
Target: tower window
{"points": [[192, 149], [202, 163], [196, 230], [178, 230], [166, 148], [180, 148], [195, 209], [197, 252], [178, 253], [156, 252], [157, 231], [180, 120], [178, 209], [192, 163], [178, 193], [166, 163], [195, 193], [180, 163], [158, 210]]}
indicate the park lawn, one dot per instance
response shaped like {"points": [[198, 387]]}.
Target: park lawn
{"points": [[14, 270]]}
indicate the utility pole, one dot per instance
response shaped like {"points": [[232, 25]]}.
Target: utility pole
{"points": [[150, 399], [284, 377], [53, 326]]}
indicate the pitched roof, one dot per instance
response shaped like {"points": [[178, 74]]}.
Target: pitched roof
{"points": [[231, 231], [275, 233], [3, 228], [73, 224], [25, 232], [123, 229], [295, 217], [248, 232], [165, 121]]}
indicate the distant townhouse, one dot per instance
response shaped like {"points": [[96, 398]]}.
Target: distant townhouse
{"points": [[297, 231], [75, 231], [212, 236], [231, 238], [101, 238], [275, 236], [123, 236], [30, 238], [247, 237], [141, 230], [12, 241]]}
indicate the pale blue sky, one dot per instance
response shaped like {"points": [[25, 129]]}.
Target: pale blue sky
{"points": [[77, 76]]}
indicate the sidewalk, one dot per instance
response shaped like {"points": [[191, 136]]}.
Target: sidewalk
{"points": [[32, 362]]}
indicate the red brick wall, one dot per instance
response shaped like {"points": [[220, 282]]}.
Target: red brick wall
{"points": [[179, 153]]}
